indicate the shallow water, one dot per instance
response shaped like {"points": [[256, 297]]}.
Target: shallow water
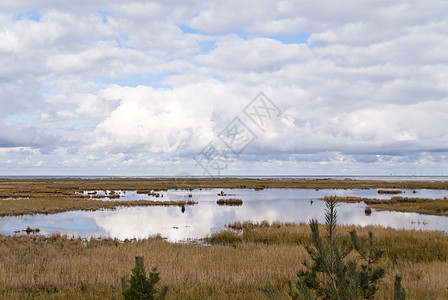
{"points": [[206, 217], [124, 195], [251, 195]]}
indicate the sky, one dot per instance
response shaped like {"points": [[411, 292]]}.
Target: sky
{"points": [[219, 88]]}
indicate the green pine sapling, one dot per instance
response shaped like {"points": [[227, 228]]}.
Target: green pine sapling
{"points": [[141, 287]]}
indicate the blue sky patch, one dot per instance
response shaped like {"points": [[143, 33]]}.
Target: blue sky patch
{"points": [[122, 40], [207, 46], [301, 38], [44, 90], [104, 15], [242, 34], [30, 15], [187, 29], [21, 118]]}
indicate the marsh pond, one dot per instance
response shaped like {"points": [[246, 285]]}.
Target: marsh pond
{"points": [[176, 223]]}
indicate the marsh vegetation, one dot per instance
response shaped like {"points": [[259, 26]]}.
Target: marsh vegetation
{"points": [[393, 192], [234, 263], [403, 204], [230, 202], [30, 196], [236, 266]]}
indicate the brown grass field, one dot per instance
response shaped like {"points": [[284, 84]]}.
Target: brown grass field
{"points": [[35, 267], [234, 263]]}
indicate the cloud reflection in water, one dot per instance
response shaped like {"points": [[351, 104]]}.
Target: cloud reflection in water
{"points": [[207, 217]]}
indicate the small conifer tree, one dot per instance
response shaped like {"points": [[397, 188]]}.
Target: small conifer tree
{"points": [[141, 287], [330, 275]]}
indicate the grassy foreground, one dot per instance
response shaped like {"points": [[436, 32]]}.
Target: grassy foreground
{"points": [[239, 262]]}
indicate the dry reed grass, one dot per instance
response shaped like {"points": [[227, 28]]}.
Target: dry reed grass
{"points": [[399, 245], [58, 265], [62, 268]]}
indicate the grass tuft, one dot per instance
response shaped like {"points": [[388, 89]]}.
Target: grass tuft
{"points": [[390, 191], [230, 202]]}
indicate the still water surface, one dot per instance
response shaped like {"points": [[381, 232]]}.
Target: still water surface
{"points": [[206, 217]]}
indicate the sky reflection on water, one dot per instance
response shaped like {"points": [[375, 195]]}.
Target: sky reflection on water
{"points": [[250, 194], [207, 217]]}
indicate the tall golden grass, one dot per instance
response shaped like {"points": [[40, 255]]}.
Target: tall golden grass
{"points": [[59, 267], [411, 246]]}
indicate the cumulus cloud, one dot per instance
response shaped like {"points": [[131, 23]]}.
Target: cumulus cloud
{"points": [[254, 55], [158, 120], [121, 87]]}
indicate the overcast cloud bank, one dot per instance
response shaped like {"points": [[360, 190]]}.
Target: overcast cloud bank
{"points": [[140, 88]]}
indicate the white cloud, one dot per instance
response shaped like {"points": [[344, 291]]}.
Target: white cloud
{"points": [[155, 120], [254, 55], [121, 87]]}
